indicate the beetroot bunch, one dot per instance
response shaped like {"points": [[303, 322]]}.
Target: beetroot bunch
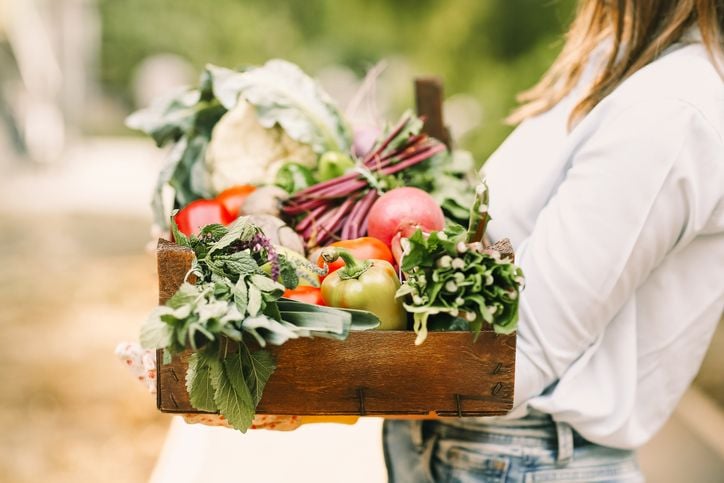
{"points": [[338, 208]]}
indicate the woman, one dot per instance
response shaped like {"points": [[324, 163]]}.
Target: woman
{"points": [[612, 191]]}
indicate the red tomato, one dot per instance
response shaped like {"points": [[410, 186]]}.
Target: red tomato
{"points": [[365, 248], [233, 198], [304, 293], [200, 213]]}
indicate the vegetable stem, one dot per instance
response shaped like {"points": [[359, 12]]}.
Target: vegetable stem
{"points": [[353, 268]]}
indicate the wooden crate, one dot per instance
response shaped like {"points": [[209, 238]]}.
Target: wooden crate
{"points": [[373, 372], [370, 373]]}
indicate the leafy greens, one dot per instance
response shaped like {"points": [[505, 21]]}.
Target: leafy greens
{"points": [[454, 285], [234, 302], [282, 95]]}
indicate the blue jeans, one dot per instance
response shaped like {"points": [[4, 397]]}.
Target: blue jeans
{"points": [[528, 450]]}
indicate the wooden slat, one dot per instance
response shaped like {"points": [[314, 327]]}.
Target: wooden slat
{"points": [[377, 373], [174, 262]]}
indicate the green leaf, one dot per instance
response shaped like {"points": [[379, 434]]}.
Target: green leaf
{"points": [[212, 309], [239, 263], [179, 238], [266, 284], [214, 230], [258, 367], [198, 382], [231, 393], [182, 180], [240, 292], [284, 95], [275, 333], [331, 323], [360, 319], [155, 334], [254, 304], [167, 118], [288, 275], [185, 295], [240, 229]]}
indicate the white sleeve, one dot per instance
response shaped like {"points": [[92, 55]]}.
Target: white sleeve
{"points": [[622, 206]]}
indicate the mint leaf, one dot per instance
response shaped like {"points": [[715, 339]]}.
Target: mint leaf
{"points": [[155, 334], [254, 304], [239, 263], [266, 284], [241, 295], [198, 382], [185, 295], [259, 366], [214, 231], [241, 229], [231, 393]]}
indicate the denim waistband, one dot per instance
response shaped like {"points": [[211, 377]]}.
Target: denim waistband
{"points": [[535, 432]]}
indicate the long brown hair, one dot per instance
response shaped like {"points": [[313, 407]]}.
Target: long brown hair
{"points": [[639, 30]]}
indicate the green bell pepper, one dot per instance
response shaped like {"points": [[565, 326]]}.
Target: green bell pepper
{"points": [[333, 164], [365, 285], [293, 177]]}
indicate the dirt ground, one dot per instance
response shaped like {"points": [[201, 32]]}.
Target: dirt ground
{"points": [[71, 287]]}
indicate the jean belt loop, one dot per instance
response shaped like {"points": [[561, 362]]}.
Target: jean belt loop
{"points": [[416, 435], [564, 434], [426, 457]]}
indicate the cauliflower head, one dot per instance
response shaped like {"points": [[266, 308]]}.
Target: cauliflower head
{"points": [[242, 151]]}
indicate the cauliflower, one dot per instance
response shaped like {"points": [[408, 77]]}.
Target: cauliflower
{"points": [[242, 151]]}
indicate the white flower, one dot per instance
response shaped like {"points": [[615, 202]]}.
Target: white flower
{"points": [[458, 264], [242, 151]]}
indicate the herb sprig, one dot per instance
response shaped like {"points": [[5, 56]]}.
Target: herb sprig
{"points": [[234, 300]]}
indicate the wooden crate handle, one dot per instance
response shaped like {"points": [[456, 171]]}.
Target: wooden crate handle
{"points": [[429, 102]]}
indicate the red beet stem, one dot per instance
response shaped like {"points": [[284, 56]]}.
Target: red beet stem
{"points": [[397, 167], [309, 219], [330, 227], [364, 206], [302, 207]]}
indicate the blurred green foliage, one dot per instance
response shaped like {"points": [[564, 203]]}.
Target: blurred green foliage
{"points": [[490, 49]]}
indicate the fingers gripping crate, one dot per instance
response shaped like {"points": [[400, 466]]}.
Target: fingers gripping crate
{"points": [[375, 373]]}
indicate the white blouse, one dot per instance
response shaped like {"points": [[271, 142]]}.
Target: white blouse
{"points": [[619, 228]]}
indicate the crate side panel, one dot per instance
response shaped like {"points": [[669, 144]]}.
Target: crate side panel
{"points": [[378, 373]]}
